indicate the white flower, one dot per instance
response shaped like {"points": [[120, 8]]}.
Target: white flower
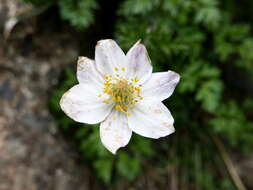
{"points": [[122, 93]]}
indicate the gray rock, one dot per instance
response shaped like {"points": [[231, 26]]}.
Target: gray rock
{"points": [[33, 155]]}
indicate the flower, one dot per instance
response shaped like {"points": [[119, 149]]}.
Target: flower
{"points": [[122, 93]]}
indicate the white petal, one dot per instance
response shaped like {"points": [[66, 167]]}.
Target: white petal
{"points": [[109, 58], [139, 64], [82, 104], [151, 119], [114, 131], [88, 73], [160, 85]]}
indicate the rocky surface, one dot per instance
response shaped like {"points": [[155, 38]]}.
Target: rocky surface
{"points": [[33, 155]]}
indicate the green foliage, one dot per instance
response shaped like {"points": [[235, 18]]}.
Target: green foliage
{"points": [[138, 7], [195, 163], [231, 122], [202, 78], [80, 13], [196, 38], [126, 164], [40, 2], [200, 40]]}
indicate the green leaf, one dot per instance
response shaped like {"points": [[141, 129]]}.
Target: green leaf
{"points": [[130, 7], [210, 94], [103, 169], [78, 12], [127, 166]]}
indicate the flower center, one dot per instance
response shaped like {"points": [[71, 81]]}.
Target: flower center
{"points": [[123, 92]]}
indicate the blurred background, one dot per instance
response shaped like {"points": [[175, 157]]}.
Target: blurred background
{"points": [[208, 42]]}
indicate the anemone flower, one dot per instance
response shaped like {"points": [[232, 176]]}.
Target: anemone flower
{"points": [[120, 91]]}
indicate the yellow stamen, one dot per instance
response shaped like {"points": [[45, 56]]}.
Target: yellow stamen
{"points": [[128, 114], [106, 101], [123, 92]]}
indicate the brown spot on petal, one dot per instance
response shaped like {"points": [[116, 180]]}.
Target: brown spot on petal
{"points": [[82, 63], [99, 42], [118, 138], [168, 125], [136, 69], [158, 111]]}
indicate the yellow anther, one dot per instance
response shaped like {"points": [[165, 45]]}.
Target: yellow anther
{"points": [[123, 69], [128, 114], [107, 77], [123, 92], [118, 107], [106, 101], [116, 69], [118, 98], [135, 79]]}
